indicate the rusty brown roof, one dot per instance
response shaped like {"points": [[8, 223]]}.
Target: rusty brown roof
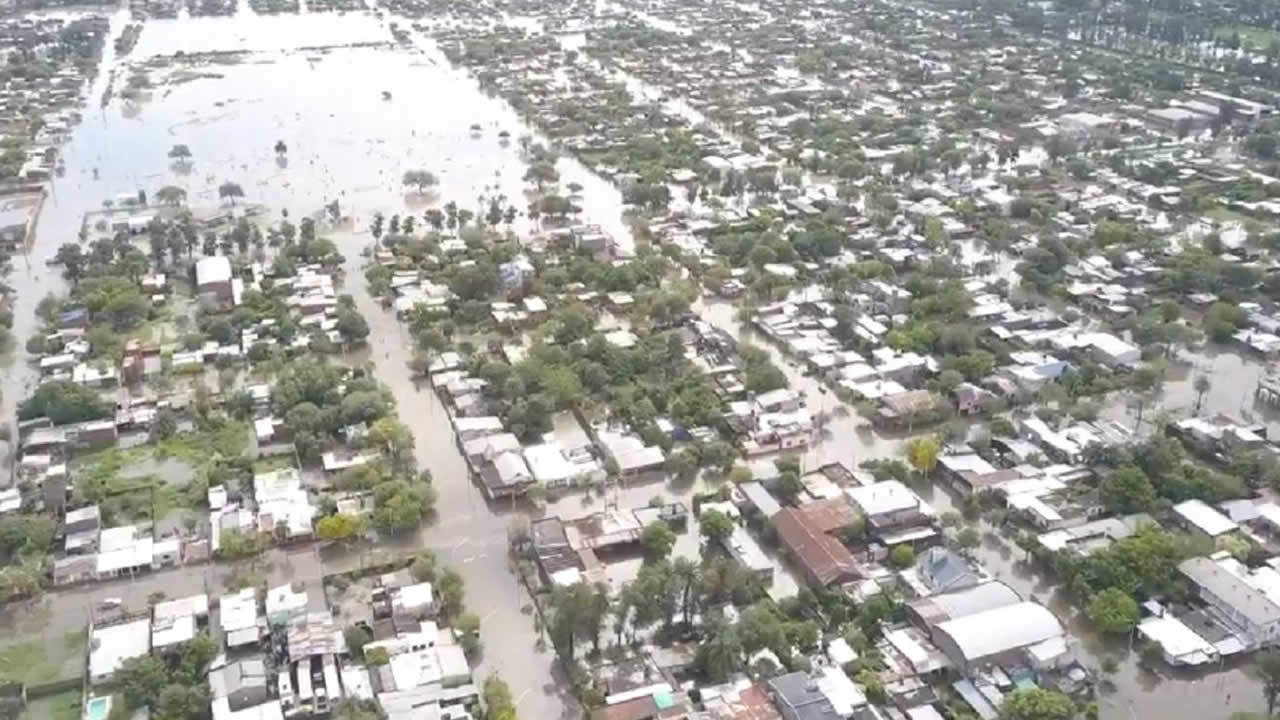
{"points": [[829, 514], [821, 555]]}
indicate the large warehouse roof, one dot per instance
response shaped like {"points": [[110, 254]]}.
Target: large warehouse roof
{"points": [[999, 630], [979, 598]]}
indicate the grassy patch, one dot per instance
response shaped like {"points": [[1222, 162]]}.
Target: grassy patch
{"points": [[63, 706], [230, 440], [1227, 215], [272, 463], [1257, 38], [27, 662], [147, 496], [75, 641]]}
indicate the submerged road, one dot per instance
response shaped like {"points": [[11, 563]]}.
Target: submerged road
{"points": [[468, 535]]}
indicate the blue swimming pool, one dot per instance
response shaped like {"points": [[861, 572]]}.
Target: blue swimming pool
{"points": [[98, 708]]}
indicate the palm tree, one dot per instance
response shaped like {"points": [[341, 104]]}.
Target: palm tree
{"points": [[686, 574]]}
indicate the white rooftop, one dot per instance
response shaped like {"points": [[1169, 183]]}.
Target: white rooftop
{"points": [[884, 497], [1206, 519], [111, 646]]}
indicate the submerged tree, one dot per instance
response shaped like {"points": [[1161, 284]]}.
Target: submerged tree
{"points": [[230, 191], [421, 179], [171, 195]]}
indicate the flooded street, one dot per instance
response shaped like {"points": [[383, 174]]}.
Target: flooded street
{"points": [[350, 140], [356, 112]]}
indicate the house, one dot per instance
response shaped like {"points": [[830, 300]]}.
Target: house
{"points": [[939, 570], [746, 551], [242, 683], [890, 504], [85, 519], [415, 600], [110, 646], [471, 428], [798, 698], [970, 399], [904, 407], [970, 473], [929, 612], [1233, 601], [506, 475], [213, 278], [552, 465], [1016, 634], [1111, 350], [239, 618], [176, 621], [823, 559], [75, 568], [1197, 516]]}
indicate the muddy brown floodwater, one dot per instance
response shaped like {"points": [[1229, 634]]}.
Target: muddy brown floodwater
{"points": [[347, 143]]}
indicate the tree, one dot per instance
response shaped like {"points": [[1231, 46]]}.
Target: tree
{"points": [[171, 195], [63, 402], [1113, 611], [72, 259], [351, 325], [420, 179], [721, 655], [760, 627], [230, 191], [579, 612], [790, 485], [393, 436], [163, 426], [968, 538], [1269, 668], [24, 535], [468, 627], [180, 702], [922, 453], [1202, 385], [401, 505], [236, 545], [902, 556], [452, 590], [658, 539], [1127, 490], [355, 709], [180, 152], [715, 526], [340, 527], [1036, 704], [281, 148], [542, 173], [497, 699], [141, 680]]}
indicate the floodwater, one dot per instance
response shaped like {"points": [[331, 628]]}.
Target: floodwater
{"points": [[846, 438], [346, 142]]}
